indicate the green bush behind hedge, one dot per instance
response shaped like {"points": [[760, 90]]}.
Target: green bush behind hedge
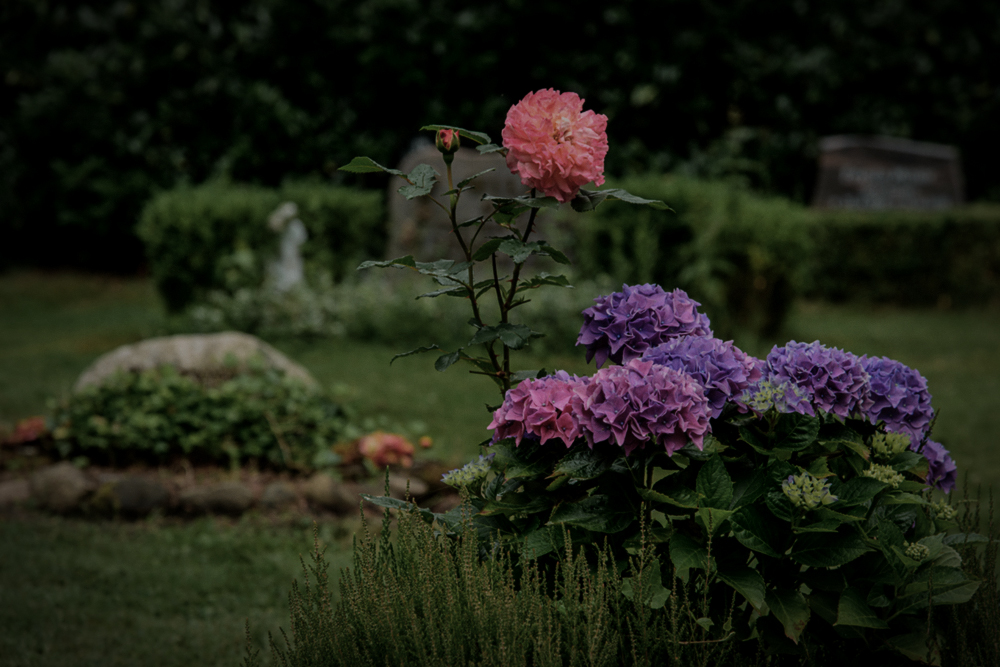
{"points": [[913, 258], [216, 235], [742, 255]]}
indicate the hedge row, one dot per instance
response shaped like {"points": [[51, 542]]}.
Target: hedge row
{"points": [[744, 256], [216, 235], [907, 257]]}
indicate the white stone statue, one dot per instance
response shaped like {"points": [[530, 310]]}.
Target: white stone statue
{"points": [[286, 271]]}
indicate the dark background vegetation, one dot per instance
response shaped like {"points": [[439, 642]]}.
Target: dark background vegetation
{"points": [[104, 103]]}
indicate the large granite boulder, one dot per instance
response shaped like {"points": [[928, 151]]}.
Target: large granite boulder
{"points": [[60, 487], [208, 358]]}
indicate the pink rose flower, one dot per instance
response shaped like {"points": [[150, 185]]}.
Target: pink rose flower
{"points": [[554, 145], [385, 449]]}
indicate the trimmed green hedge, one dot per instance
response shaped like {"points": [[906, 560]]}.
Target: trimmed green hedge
{"points": [[743, 256], [216, 235], [908, 257]]}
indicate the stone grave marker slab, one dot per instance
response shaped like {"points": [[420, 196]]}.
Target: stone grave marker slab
{"points": [[880, 173]]}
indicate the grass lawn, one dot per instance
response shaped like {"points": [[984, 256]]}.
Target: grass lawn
{"points": [[154, 593], [160, 593]]}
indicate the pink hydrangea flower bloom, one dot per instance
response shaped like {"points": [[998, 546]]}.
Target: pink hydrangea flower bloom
{"points": [[554, 145]]}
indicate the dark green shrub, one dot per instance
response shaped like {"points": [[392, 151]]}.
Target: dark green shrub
{"points": [[160, 416], [741, 255], [215, 236], [908, 257]]}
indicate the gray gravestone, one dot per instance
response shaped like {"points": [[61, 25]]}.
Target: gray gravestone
{"points": [[419, 228], [879, 173]]}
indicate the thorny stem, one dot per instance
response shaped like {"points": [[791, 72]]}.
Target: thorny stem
{"points": [[506, 306]]}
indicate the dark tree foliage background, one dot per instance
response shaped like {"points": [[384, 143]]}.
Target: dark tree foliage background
{"points": [[105, 102]]}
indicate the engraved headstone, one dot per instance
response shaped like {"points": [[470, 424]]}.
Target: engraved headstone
{"points": [[879, 173], [287, 270], [417, 227]]}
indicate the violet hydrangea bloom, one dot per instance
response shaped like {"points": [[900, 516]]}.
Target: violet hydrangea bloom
{"points": [[900, 398], [724, 369], [623, 325], [942, 471], [835, 381], [539, 409], [641, 403]]}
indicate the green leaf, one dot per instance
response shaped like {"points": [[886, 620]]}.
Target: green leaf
{"points": [[712, 517], [484, 251], [517, 250], [584, 463], [402, 505], [556, 255], [514, 336], [791, 609], [905, 460], [525, 200], [478, 137], [853, 610], [652, 584], [419, 350], [679, 497], [749, 490], [599, 513], [914, 646], [422, 180], [794, 432], [516, 503], [469, 223], [756, 530], [588, 200], [714, 484], [543, 541], [490, 148], [826, 550], [456, 289], [520, 376], [442, 268], [781, 506], [466, 181], [398, 263], [686, 554], [747, 582], [446, 360], [546, 279], [366, 165], [961, 539], [858, 490]]}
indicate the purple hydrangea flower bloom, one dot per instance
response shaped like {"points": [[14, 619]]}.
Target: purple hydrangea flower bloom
{"points": [[539, 409], [834, 380], [623, 325], [942, 471], [724, 369], [641, 403], [900, 398]]}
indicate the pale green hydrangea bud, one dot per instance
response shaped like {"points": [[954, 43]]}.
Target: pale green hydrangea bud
{"points": [[807, 492], [942, 510], [884, 474], [916, 551], [887, 445], [470, 473]]}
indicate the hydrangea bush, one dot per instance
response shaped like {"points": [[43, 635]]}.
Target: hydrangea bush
{"points": [[791, 494]]}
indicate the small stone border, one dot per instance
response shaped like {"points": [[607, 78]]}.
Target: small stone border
{"points": [[65, 489]]}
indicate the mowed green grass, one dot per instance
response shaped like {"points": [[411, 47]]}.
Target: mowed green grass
{"points": [[160, 593], [110, 594]]}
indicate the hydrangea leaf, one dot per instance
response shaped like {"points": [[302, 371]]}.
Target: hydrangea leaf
{"points": [[545, 540], [756, 530], [714, 484], [686, 554], [750, 489], [794, 432], [747, 582], [858, 490], [791, 609], [599, 513], [711, 518], [583, 463], [825, 550]]}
